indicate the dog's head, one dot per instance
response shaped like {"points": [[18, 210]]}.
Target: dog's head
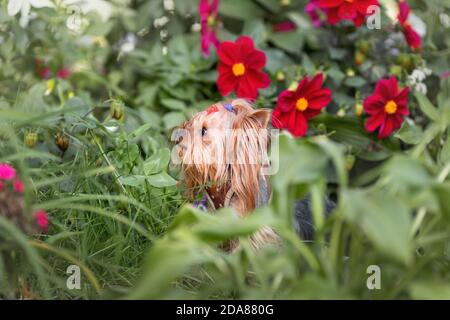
{"points": [[224, 147]]}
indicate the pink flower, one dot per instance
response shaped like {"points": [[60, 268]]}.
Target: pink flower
{"points": [[42, 70], [312, 9], [445, 75], [284, 26], [42, 220], [7, 172], [208, 20], [64, 73], [18, 186]]}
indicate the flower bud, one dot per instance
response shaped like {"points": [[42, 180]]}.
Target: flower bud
{"points": [[31, 139], [117, 110], [293, 86], [405, 61], [62, 141], [359, 109], [364, 47], [350, 72], [396, 70], [321, 128], [280, 76], [50, 86], [359, 57], [349, 162], [41, 219]]}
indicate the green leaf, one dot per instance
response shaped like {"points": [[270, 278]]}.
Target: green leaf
{"points": [[336, 74], [383, 218], [133, 181], [179, 52], [141, 130], [161, 180], [444, 153], [427, 107], [173, 119], [243, 10], [355, 82], [291, 42], [403, 171], [157, 162], [308, 64], [430, 290], [298, 162], [410, 133], [173, 104], [256, 30]]}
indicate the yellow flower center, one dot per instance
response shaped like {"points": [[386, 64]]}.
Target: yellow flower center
{"points": [[238, 69], [301, 104], [390, 107], [350, 1], [211, 21]]}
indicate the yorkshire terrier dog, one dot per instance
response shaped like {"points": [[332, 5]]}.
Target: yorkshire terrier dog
{"points": [[223, 152]]}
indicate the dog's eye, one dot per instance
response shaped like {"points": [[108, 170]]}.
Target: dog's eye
{"points": [[204, 131]]}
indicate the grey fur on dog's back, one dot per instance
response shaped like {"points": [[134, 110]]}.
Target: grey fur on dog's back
{"points": [[304, 224]]}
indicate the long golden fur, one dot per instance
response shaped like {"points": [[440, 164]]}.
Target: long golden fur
{"points": [[223, 153]]}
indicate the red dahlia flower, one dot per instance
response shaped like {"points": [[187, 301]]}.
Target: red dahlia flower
{"points": [[412, 37], [208, 20], [240, 67], [354, 10], [294, 108], [387, 107]]}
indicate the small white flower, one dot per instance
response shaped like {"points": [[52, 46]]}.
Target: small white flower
{"points": [[24, 7], [427, 71], [103, 8], [422, 88], [160, 22], [445, 20], [169, 5], [196, 27], [128, 43], [163, 34], [419, 75]]}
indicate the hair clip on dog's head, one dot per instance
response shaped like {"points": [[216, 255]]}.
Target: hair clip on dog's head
{"points": [[228, 106], [214, 108]]}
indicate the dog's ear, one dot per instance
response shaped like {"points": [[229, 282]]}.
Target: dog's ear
{"points": [[262, 116]]}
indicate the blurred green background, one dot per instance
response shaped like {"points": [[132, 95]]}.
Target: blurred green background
{"points": [[89, 94]]}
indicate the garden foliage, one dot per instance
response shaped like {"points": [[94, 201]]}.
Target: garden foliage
{"points": [[91, 91]]}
